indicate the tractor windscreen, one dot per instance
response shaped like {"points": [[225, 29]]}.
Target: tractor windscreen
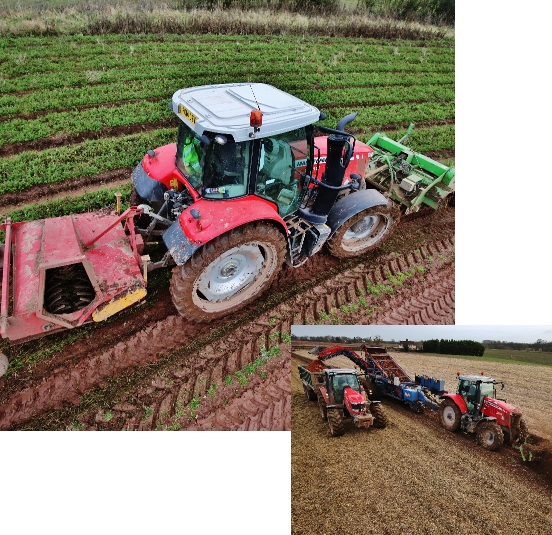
{"points": [[189, 155], [218, 170], [487, 389]]}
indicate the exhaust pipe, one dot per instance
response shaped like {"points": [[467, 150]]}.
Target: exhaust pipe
{"points": [[340, 152]]}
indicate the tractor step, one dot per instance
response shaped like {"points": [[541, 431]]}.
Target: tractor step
{"points": [[65, 271]]}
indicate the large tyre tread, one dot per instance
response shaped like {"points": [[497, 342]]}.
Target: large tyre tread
{"points": [[381, 421], [183, 278], [334, 244], [335, 422], [454, 425]]}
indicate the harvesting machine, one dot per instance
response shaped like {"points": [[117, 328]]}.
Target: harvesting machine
{"points": [[474, 408], [341, 398], [245, 186]]}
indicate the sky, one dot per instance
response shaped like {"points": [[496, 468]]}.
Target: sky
{"points": [[505, 333]]}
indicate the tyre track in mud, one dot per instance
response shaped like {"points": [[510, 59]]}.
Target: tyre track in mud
{"points": [[136, 366]]}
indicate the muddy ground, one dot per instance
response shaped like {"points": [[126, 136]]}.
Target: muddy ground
{"points": [[411, 477], [148, 367]]}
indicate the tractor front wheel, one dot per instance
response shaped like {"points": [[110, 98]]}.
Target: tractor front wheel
{"points": [[450, 415], [228, 272], [377, 411], [364, 231], [335, 423], [490, 436]]}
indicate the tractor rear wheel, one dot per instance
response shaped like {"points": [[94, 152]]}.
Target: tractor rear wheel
{"points": [[228, 272], [490, 436], [364, 231], [335, 422], [309, 393], [450, 415], [322, 407], [377, 411]]}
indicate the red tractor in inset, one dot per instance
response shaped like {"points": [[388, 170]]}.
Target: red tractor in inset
{"points": [[341, 399], [476, 409]]}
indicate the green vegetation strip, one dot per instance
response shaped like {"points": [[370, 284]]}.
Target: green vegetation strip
{"points": [[379, 85], [202, 70], [90, 158], [534, 358]]}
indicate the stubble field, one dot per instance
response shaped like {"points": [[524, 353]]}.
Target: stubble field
{"points": [[413, 476]]}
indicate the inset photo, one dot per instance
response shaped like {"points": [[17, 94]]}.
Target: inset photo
{"points": [[395, 423]]}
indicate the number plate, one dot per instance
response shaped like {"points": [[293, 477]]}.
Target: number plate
{"points": [[187, 113]]}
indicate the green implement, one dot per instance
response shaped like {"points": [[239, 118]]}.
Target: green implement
{"points": [[405, 176]]}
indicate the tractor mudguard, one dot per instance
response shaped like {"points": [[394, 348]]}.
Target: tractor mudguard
{"points": [[178, 244], [207, 219], [146, 187], [459, 400], [352, 204]]}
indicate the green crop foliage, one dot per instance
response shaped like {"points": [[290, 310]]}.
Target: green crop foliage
{"points": [[81, 86]]}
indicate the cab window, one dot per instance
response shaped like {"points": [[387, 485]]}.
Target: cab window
{"points": [[281, 158]]}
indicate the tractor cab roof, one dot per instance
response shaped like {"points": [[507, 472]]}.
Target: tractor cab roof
{"points": [[226, 109], [474, 378]]}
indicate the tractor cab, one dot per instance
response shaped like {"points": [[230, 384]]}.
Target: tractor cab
{"points": [[474, 389], [227, 148], [342, 380], [219, 167]]}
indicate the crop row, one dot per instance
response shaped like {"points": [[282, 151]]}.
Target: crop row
{"points": [[373, 118], [90, 158], [98, 93], [95, 200], [20, 64], [74, 46], [202, 70], [93, 157], [87, 120], [93, 119]]}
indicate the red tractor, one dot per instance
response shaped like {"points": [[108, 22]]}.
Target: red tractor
{"points": [[247, 185], [342, 399], [476, 409]]}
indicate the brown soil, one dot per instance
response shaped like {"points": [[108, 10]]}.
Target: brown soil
{"points": [[411, 477], [118, 362]]}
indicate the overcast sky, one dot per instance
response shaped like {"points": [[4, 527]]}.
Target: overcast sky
{"points": [[507, 333]]}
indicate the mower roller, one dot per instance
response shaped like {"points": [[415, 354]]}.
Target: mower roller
{"points": [[247, 186]]}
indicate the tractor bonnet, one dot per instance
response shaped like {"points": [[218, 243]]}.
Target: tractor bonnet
{"points": [[226, 109]]}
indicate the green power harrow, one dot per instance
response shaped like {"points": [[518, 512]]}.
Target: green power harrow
{"points": [[408, 177]]}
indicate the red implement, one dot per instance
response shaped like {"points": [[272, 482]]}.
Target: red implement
{"points": [[65, 271]]}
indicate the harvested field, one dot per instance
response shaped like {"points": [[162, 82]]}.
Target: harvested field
{"points": [[412, 477]]}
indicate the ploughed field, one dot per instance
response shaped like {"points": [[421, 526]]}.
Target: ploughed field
{"points": [[77, 113], [413, 476]]}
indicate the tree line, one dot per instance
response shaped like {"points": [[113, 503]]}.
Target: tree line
{"points": [[454, 347]]}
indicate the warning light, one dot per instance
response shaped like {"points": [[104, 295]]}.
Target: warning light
{"points": [[256, 118]]}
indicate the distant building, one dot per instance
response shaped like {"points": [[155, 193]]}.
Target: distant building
{"points": [[412, 346]]}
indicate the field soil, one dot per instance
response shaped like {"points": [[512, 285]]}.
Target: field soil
{"points": [[152, 369], [413, 476]]}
